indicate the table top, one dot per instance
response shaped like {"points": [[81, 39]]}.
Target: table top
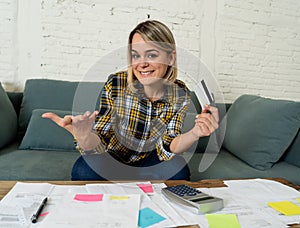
{"points": [[6, 186]]}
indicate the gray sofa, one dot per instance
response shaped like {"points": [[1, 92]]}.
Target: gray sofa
{"points": [[262, 135]]}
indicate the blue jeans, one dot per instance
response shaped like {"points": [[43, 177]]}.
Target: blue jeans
{"points": [[106, 167]]}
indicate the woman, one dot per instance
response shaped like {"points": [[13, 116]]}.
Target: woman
{"points": [[136, 134]]}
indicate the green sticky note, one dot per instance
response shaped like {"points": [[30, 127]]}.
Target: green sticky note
{"points": [[223, 221], [285, 207]]}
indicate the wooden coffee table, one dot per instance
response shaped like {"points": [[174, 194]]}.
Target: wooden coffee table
{"points": [[6, 186]]}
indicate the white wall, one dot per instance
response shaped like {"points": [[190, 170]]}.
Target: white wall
{"points": [[258, 48], [8, 50], [251, 46]]}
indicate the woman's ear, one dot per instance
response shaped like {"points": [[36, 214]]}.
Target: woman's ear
{"points": [[172, 58]]}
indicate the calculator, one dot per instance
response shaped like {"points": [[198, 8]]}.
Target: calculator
{"points": [[192, 199]]}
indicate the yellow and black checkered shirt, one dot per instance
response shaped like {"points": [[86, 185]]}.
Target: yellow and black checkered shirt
{"points": [[130, 125]]}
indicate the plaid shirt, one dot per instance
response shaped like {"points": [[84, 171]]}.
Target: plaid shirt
{"points": [[130, 125]]}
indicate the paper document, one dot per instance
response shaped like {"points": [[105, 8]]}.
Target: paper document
{"points": [[120, 211], [249, 199], [24, 199]]}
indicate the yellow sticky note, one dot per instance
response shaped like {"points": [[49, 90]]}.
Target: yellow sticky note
{"points": [[119, 197], [223, 221], [298, 199], [285, 207]]}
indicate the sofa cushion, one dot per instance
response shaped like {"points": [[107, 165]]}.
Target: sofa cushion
{"points": [[259, 130], [44, 134], [8, 119], [36, 165], [292, 155], [228, 166], [57, 95]]}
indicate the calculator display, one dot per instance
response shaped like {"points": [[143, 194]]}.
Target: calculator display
{"points": [[201, 199]]}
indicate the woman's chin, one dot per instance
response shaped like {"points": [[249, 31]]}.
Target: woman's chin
{"points": [[146, 81]]}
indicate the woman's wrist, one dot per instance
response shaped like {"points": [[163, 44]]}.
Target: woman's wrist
{"points": [[88, 141], [194, 134]]}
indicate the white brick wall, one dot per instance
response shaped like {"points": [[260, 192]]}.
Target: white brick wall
{"points": [[258, 48], [7, 40], [78, 34], [252, 46]]}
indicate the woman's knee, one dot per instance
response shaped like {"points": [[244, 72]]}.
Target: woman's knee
{"points": [[83, 171]]}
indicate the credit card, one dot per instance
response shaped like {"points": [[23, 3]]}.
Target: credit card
{"points": [[204, 95]]}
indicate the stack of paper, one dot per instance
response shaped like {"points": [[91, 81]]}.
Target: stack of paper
{"points": [[248, 203], [94, 205]]}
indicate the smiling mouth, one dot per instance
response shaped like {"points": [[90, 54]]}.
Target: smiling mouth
{"points": [[146, 73]]}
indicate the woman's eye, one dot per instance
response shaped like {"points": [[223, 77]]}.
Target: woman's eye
{"points": [[135, 56], [152, 56]]}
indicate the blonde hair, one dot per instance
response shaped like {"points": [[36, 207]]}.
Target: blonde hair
{"points": [[162, 37]]}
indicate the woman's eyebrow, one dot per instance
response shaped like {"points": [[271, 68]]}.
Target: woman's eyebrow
{"points": [[149, 50]]}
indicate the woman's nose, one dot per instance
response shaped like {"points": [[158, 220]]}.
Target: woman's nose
{"points": [[144, 63]]}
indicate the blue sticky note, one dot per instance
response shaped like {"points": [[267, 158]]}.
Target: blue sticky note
{"points": [[148, 217]]}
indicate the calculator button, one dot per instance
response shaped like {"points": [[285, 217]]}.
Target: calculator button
{"points": [[182, 190], [191, 194]]}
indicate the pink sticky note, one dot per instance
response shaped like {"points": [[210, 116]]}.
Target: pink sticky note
{"points": [[88, 197], [147, 188]]}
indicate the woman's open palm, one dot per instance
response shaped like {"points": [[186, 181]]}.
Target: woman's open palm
{"points": [[79, 126]]}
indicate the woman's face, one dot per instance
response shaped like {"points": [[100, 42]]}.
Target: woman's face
{"points": [[149, 63]]}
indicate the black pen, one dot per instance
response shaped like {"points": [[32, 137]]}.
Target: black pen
{"points": [[35, 216]]}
